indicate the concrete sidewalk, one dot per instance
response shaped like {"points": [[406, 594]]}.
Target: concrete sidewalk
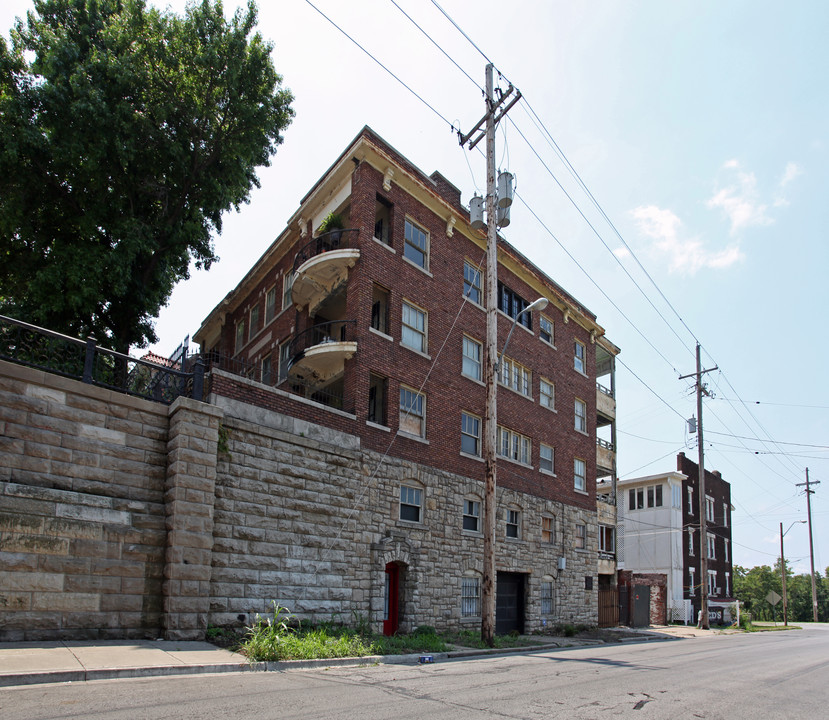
{"points": [[31, 663]]}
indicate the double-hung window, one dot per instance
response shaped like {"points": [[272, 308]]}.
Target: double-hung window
{"points": [[284, 359], [254, 321], [514, 375], [287, 284], [471, 358], [413, 334], [581, 415], [547, 458], [514, 446], [548, 530], [579, 474], [513, 523], [547, 604], [411, 503], [471, 515], [580, 538], [547, 394], [472, 283], [416, 245], [270, 305], [412, 412], [709, 509], [240, 335], [470, 434], [578, 357], [545, 331]]}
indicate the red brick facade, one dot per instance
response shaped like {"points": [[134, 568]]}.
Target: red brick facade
{"points": [[439, 292]]}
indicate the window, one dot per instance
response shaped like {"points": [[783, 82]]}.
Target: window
{"points": [[712, 582], [254, 321], [547, 458], [416, 245], [511, 303], [636, 499], [690, 500], [691, 542], [545, 329], [580, 474], [380, 309], [578, 357], [287, 284], [240, 335], [547, 396], [284, 359], [470, 434], [725, 514], [709, 508], [413, 334], [547, 605], [728, 584], [266, 370], [548, 530], [412, 412], [655, 496], [514, 446], [514, 375], [712, 547], [471, 515], [725, 548], [581, 416], [472, 282], [692, 584], [411, 502], [607, 539], [471, 358], [270, 305], [377, 393], [580, 539], [513, 520], [470, 597], [382, 221]]}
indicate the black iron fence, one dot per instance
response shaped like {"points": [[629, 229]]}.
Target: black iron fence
{"points": [[332, 240], [320, 334], [84, 360]]}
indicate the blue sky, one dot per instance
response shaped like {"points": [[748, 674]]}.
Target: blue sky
{"points": [[701, 129]]}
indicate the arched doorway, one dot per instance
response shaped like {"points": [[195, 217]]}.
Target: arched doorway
{"points": [[391, 602]]}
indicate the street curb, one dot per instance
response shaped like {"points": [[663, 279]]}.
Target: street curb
{"points": [[69, 676]]}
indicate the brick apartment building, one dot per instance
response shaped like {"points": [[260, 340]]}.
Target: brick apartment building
{"points": [[659, 534], [374, 333]]}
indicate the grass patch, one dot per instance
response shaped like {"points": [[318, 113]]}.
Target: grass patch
{"points": [[279, 636]]}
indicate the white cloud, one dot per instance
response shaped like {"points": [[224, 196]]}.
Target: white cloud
{"points": [[684, 254], [790, 173], [739, 200]]}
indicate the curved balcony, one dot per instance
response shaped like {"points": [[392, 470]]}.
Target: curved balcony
{"points": [[318, 355], [321, 266]]}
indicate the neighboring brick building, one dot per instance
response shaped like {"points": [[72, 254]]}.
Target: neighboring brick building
{"points": [[659, 533], [376, 329]]}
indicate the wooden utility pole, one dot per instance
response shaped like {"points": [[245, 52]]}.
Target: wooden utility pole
{"points": [[783, 575], [489, 120], [811, 546], [703, 527]]}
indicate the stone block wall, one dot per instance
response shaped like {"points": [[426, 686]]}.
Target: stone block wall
{"points": [[82, 532]]}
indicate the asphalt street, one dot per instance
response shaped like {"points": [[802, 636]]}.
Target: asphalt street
{"points": [[775, 674]]}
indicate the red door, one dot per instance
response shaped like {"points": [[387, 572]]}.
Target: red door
{"points": [[391, 617]]}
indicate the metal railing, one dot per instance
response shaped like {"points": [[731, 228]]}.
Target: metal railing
{"points": [[603, 390], [604, 444], [332, 240], [327, 332], [33, 346]]}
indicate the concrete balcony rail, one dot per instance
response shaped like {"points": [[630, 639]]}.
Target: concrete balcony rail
{"points": [[605, 403], [321, 266], [318, 355]]}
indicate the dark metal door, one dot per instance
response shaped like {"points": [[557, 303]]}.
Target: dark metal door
{"points": [[608, 607], [641, 605], [509, 603]]}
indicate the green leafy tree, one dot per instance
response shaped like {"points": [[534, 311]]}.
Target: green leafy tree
{"points": [[752, 586], [125, 133]]}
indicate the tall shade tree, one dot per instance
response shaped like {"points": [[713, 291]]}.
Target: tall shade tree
{"points": [[125, 133]]}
